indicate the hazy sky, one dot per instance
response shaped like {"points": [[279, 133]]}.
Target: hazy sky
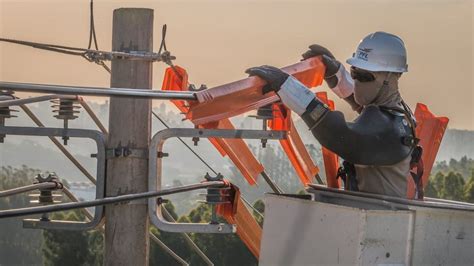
{"points": [[217, 40]]}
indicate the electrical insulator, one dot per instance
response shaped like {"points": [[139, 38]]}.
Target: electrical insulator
{"points": [[5, 112], [46, 196], [216, 196], [264, 113], [65, 109]]}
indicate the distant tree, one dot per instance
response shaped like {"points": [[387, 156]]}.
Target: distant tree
{"points": [[469, 189], [222, 249], [18, 246], [437, 181], [430, 190], [453, 185], [173, 240], [62, 247]]}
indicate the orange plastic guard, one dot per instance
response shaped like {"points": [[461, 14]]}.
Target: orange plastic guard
{"points": [[235, 212], [236, 149], [430, 129], [331, 160], [238, 152], [244, 95], [293, 145]]}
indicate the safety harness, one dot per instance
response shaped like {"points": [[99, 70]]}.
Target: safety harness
{"points": [[347, 171]]}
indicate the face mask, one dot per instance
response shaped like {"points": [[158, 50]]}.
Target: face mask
{"points": [[382, 91], [366, 92]]}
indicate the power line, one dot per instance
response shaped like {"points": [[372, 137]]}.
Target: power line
{"points": [[107, 200], [23, 189]]}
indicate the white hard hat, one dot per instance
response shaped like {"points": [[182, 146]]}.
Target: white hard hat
{"points": [[380, 51]]}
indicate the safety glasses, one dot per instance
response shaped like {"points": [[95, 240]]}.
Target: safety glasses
{"points": [[361, 75]]}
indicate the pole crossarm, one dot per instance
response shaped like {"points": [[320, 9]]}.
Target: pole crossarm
{"points": [[98, 91]]}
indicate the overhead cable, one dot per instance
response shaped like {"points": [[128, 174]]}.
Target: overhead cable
{"points": [[107, 200]]}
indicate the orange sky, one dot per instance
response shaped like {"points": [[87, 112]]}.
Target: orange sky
{"points": [[217, 40]]}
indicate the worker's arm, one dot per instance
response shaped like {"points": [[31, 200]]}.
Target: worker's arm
{"points": [[337, 77], [369, 141]]}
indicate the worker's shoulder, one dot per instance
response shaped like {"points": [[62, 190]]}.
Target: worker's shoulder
{"points": [[373, 114]]}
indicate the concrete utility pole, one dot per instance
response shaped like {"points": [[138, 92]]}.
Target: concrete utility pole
{"points": [[126, 228]]}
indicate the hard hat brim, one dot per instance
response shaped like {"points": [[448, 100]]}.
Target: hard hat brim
{"points": [[373, 67]]}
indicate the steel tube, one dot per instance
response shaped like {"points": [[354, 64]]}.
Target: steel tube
{"points": [[107, 200], [97, 91], [168, 250], [59, 145], [18, 190], [36, 99]]}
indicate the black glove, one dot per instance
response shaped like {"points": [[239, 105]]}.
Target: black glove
{"points": [[274, 77], [316, 50], [332, 65]]}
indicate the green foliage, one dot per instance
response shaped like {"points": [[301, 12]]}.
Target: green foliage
{"points": [[175, 242], [464, 166], [62, 247], [18, 246], [469, 190], [453, 185], [450, 183], [260, 207], [222, 249], [225, 249]]}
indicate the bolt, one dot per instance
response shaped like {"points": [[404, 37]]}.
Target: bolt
{"points": [[196, 139], [162, 154], [126, 152]]}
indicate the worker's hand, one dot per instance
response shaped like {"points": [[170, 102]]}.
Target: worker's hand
{"points": [[332, 65], [317, 50], [275, 77], [328, 59]]}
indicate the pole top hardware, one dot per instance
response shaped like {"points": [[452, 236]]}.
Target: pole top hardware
{"points": [[126, 152]]}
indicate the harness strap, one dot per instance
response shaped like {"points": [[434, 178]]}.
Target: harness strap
{"points": [[416, 161]]}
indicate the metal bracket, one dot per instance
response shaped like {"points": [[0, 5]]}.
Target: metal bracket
{"points": [[155, 173], [126, 152], [99, 139]]}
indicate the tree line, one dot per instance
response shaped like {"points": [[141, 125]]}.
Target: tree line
{"points": [[453, 181]]}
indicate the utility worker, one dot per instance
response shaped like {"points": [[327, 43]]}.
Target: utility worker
{"points": [[377, 146]]}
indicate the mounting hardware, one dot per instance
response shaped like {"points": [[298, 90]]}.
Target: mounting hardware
{"points": [[215, 196], [163, 154], [46, 196], [66, 110], [193, 87], [264, 113], [5, 112], [126, 152]]}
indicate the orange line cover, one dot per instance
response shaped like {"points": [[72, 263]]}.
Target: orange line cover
{"points": [[248, 230], [236, 149], [293, 145], [430, 130], [245, 95]]}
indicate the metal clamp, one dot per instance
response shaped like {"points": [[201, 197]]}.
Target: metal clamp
{"points": [[126, 152], [155, 173], [99, 139]]}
